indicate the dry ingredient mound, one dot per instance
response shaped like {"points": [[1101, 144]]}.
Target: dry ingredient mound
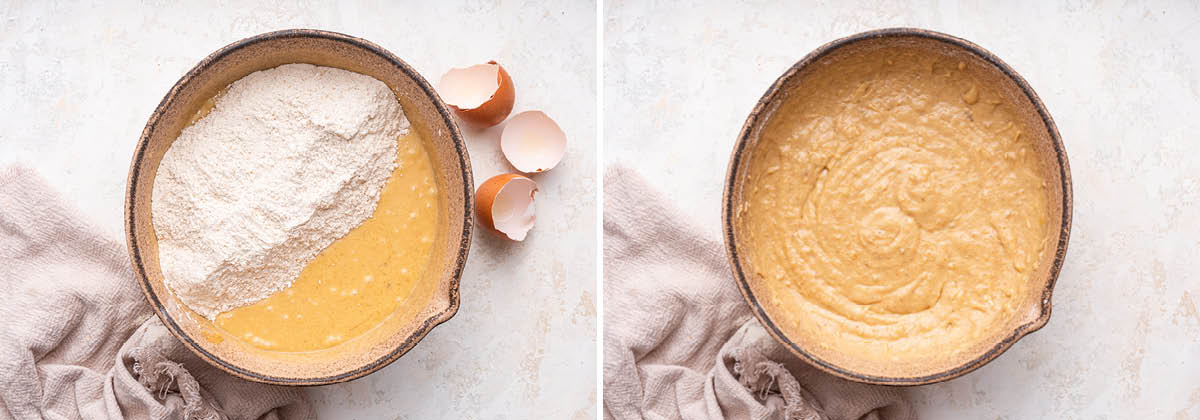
{"points": [[288, 161]]}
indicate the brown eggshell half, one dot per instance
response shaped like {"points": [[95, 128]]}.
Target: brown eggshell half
{"points": [[532, 142], [492, 196], [493, 110]]}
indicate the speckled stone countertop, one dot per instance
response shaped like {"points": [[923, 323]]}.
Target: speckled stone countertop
{"points": [[1122, 81], [79, 83]]}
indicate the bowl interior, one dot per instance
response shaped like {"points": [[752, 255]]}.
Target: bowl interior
{"points": [[1034, 308], [435, 298]]}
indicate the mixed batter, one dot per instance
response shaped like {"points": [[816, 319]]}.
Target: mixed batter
{"points": [[893, 208]]}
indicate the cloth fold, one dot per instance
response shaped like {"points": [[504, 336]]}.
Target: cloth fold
{"points": [[78, 340], [681, 343]]}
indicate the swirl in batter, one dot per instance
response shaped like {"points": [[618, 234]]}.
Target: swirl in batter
{"points": [[893, 208]]}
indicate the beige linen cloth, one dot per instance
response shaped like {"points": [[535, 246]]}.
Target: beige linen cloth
{"points": [[681, 343], [78, 340]]}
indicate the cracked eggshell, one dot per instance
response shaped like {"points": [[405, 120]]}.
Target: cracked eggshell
{"points": [[482, 94], [532, 142], [504, 203]]}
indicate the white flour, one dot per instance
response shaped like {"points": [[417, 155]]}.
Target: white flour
{"points": [[289, 160]]}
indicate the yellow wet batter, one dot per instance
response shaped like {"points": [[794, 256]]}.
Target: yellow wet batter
{"points": [[355, 283], [893, 208]]}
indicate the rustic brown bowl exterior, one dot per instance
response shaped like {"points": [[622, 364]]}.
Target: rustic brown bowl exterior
{"points": [[761, 113], [428, 115]]}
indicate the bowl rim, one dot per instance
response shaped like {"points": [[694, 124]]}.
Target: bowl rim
{"points": [[760, 111], [460, 259]]}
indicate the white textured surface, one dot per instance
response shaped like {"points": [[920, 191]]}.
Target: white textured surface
{"points": [[79, 83], [1121, 80]]}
